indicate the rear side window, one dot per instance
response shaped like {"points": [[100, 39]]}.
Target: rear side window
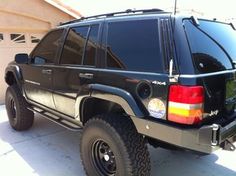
{"points": [[46, 51], [73, 49], [134, 45], [91, 46], [208, 54]]}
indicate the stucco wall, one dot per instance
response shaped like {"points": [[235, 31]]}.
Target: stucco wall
{"points": [[37, 9], [28, 18]]}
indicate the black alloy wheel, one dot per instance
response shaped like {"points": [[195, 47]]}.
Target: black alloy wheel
{"points": [[20, 118], [103, 158], [111, 146]]}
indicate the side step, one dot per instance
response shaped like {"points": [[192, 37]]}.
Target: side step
{"points": [[58, 120]]}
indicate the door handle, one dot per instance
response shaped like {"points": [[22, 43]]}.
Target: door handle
{"points": [[47, 71], [86, 75]]}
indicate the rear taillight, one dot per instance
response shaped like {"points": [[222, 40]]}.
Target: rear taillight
{"points": [[186, 104]]}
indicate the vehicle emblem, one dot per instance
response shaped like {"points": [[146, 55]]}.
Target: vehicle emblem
{"points": [[214, 113], [159, 83]]}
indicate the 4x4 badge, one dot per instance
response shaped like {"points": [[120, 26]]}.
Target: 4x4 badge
{"points": [[159, 83]]}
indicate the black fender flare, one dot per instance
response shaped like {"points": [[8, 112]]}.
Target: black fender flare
{"points": [[117, 95], [15, 70]]}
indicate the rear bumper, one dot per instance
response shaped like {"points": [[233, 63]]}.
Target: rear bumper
{"points": [[205, 139]]}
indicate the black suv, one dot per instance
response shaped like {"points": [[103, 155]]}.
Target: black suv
{"points": [[128, 79]]}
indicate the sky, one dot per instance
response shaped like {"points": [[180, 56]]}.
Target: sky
{"points": [[220, 9]]}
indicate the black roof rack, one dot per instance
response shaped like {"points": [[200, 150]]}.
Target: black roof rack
{"points": [[128, 11]]}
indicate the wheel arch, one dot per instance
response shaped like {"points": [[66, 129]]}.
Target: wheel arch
{"points": [[107, 99], [13, 75]]}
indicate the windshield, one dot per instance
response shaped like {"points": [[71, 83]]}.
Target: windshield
{"points": [[213, 45]]}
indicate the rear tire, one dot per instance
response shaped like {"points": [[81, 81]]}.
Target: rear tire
{"points": [[20, 118], [110, 145]]}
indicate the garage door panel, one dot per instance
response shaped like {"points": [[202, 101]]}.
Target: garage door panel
{"points": [[11, 44]]}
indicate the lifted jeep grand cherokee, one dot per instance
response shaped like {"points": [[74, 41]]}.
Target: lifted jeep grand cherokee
{"points": [[128, 79]]}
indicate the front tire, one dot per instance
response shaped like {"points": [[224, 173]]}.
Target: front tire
{"points": [[20, 118], [110, 145]]}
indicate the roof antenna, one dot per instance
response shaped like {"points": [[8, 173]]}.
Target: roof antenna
{"points": [[175, 8]]}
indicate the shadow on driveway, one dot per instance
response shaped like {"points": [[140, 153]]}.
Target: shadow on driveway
{"points": [[49, 150]]}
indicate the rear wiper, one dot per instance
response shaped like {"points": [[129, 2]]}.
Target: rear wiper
{"points": [[232, 25], [195, 21], [234, 63]]}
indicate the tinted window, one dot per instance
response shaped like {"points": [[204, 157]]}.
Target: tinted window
{"points": [[47, 49], [74, 46], [134, 45], [224, 34], [91, 46], [206, 53]]}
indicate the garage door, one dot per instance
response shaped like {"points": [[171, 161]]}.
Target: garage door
{"points": [[10, 44]]}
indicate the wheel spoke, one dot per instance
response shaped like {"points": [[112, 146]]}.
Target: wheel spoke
{"points": [[103, 158]]}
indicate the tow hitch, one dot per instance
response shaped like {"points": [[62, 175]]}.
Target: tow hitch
{"points": [[228, 145], [228, 136]]}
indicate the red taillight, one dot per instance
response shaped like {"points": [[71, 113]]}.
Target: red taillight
{"points": [[186, 94], [186, 104]]}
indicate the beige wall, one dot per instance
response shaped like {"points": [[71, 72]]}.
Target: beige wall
{"points": [[37, 9], [28, 18]]}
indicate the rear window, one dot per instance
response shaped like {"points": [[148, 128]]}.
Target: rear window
{"points": [[134, 45], [213, 45]]}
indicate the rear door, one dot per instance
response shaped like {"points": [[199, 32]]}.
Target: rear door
{"points": [[76, 68], [38, 73], [134, 62]]}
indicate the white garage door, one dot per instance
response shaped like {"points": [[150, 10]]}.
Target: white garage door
{"points": [[10, 44]]}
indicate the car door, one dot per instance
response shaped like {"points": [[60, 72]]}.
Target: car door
{"points": [[38, 73], [76, 68]]}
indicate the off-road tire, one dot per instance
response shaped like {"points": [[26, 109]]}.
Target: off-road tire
{"points": [[20, 118], [129, 148]]}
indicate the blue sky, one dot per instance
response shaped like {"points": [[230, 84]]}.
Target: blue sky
{"points": [[214, 8]]}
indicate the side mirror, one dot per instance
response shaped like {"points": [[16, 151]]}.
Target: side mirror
{"points": [[22, 58]]}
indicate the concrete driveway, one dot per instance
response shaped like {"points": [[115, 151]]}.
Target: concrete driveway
{"points": [[49, 150]]}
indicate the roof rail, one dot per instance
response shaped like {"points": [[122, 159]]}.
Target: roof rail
{"points": [[128, 11]]}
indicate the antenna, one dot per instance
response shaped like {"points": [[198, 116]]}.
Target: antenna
{"points": [[175, 8]]}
